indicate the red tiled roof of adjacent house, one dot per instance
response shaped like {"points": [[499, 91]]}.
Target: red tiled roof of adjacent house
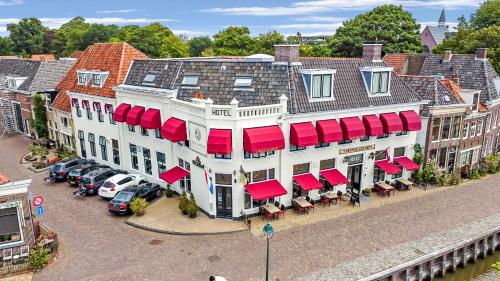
{"points": [[397, 61], [112, 57], [76, 54], [43, 57], [454, 89]]}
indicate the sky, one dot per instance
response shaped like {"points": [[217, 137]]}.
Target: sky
{"points": [[206, 17]]}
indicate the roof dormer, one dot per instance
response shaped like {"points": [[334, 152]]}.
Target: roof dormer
{"points": [[377, 80], [13, 82], [319, 83]]}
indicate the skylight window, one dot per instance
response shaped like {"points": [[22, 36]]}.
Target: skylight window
{"points": [[190, 80], [150, 78], [446, 98], [243, 81]]}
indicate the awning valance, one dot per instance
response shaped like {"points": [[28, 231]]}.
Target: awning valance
{"points": [[120, 114], [151, 119], [388, 167], [96, 105], [174, 174], [265, 189], [352, 128], [220, 141], [307, 182], [303, 134], [392, 123], [373, 126], [407, 163], [74, 102], [329, 131], [174, 130], [134, 115], [334, 177], [411, 120], [85, 103], [262, 139]]}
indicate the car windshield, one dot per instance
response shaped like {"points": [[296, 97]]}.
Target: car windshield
{"points": [[85, 180], [75, 172], [56, 167], [124, 196], [107, 184]]}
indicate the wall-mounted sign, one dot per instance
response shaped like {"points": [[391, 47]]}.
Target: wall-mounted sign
{"points": [[197, 162], [221, 112], [197, 138], [356, 149]]}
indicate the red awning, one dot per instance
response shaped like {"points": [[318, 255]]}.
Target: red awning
{"points": [[373, 126], [151, 119], [108, 107], [120, 114], [329, 131], [303, 134], [411, 120], [220, 141], [352, 128], [391, 122], [85, 104], [174, 174], [334, 177], [307, 182], [134, 115], [407, 163], [174, 130], [265, 189], [74, 102], [96, 105], [263, 139], [388, 167]]}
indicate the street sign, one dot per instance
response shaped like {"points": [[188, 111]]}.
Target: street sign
{"points": [[40, 210], [38, 201]]}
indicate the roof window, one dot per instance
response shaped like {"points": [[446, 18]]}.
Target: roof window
{"points": [[150, 78], [319, 83], [83, 78], [99, 78], [190, 80], [243, 81], [377, 80]]}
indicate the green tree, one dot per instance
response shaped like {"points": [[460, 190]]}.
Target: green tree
{"points": [[27, 36], [97, 33], [265, 42], [488, 14], [387, 24], [315, 49], [70, 37], [233, 41], [198, 44], [6, 47], [40, 121]]}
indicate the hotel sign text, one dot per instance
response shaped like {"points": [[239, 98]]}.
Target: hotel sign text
{"points": [[221, 112], [357, 149]]}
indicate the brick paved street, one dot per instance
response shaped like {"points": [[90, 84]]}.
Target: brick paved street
{"points": [[98, 246]]}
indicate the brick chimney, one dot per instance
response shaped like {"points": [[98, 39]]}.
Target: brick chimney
{"points": [[286, 53], [372, 52], [481, 53], [447, 55]]}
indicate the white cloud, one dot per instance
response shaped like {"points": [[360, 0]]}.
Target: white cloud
{"points": [[320, 19], [117, 11], [327, 26], [188, 33], [11, 2]]}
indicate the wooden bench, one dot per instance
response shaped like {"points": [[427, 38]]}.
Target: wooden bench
{"points": [[404, 184]]}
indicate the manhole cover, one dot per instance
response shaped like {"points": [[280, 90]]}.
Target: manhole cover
{"points": [[214, 258], [155, 242]]}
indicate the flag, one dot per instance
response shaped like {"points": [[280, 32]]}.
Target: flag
{"points": [[211, 186], [206, 176]]}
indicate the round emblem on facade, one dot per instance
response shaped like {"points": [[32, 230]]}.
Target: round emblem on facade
{"points": [[197, 134]]}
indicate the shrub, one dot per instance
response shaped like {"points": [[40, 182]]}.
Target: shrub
{"points": [[429, 173], [138, 204], [455, 178], [491, 163], [39, 257], [441, 179], [183, 202], [192, 208], [419, 156], [417, 176]]}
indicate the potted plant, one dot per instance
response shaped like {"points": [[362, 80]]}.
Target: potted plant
{"points": [[192, 208], [138, 206], [367, 191], [183, 201], [168, 191]]}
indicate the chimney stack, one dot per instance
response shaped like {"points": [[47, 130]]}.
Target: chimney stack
{"points": [[286, 53], [447, 55], [372, 52], [481, 53]]}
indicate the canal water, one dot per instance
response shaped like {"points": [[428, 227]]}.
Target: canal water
{"points": [[479, 271]]}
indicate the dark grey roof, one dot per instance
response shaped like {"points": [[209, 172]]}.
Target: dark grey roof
{"points": [[19, 68], [438, 33], [442, 17], [50, 74]]}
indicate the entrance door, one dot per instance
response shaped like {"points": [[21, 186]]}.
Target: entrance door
{"points": [[19, 117], [224, 201], [354, 176]]}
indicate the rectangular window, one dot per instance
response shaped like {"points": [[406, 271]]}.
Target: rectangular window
{"points": [[64, 121], [380, 155], [475, 156], [383, 136], [475, 101], [185, 182], [222, 156], [380, 82], [436, 125], [472, 131], [98, 108], [146, 153], [365, 138], [452, 153], [445, 132], [322, 144], [133, 157], [150, 78], [116, 152], [88, 111], [162, 164], [479, 127], [98, 79], [82, 78], [433, 156], [190, 80], [131, 128], [297, 170], [110, 114], [345, 141], [81, 137], [249, 155], [144, 132], [92, 144], [257, 176], [464, 158], [296, 148], [10, 228], [399, 151], [378, 174], [321, 86], [104, 150], [327, 164], [465, 131], [442, 157], [457, 120], [158, 133], [243, 81]]}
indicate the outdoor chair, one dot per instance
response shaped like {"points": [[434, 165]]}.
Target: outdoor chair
{"points": [[265, 214], [25, 251], [308, 199], [298, 207], [282, 210], [325, 201], [7, 255]]}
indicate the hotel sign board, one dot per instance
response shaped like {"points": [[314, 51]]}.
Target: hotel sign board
{"points": [[356, 149], [197, 138]]}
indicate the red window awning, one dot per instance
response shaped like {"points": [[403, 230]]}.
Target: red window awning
{"points": [[388, 167], [85, 103], [134, 115], [407, 163], [174, 174], [307, 182], [174, 130], [263, 139], [411, 120], [373, 126], [334, 177], [265, 189], [220, 141], [151, 119], [329, 131], [352, 128], [74, 102], [96, 105], [391, 122], [120, 114], [303, 134]]}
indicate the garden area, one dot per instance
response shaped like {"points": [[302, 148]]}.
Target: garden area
{"points": [[43, 153]]}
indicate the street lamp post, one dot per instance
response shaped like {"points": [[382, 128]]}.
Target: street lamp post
{"points": [[268, 233]]}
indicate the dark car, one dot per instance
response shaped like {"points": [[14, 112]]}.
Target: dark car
{"points": [[75, 175], [60, 170], [94, 179], [120, 204]]}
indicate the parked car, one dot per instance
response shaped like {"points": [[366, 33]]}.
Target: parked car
{"points": [[60, 170], [75, 175], [117, 183], [120, 204], [94, 179]]}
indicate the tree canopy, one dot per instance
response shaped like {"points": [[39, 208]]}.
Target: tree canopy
{"points": [[6, 47], [234, 41], [387, 24], [488, 14], [264, 43], [199, 44], [27, 36]]}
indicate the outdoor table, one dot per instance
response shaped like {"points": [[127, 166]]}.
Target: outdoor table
{"points": [[332, 196], [386, 188], [272, 209], [404, 184], [303, 203]]}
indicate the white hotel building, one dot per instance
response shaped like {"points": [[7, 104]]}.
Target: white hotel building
{"points": [[239, 132]]}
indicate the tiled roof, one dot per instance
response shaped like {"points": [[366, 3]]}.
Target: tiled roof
{"points": [[43, 57], [50, 74], [398, 61], [112, 57], [76, 54], [19, 68], [454, 89]]}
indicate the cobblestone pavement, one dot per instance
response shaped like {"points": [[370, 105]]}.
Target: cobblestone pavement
{"points": [[97, 246]]}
